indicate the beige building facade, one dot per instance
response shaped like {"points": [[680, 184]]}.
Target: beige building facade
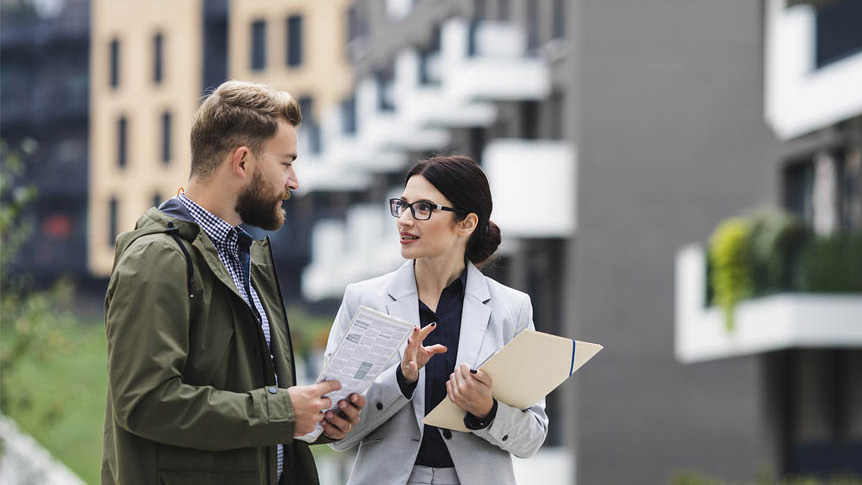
{"points": [[148, 69]]}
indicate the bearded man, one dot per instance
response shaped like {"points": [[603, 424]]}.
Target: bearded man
{"points": [[201, 379]]}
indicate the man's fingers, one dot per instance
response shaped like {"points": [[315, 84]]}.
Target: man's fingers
{"points": [[350, 411], [357, 400], [338, 421], [326, 387]]}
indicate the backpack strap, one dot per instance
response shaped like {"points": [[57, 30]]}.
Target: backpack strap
{"points": [[173, 231]]}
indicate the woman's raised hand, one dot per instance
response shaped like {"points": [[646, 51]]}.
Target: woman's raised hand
{"points": [[416, 355]]}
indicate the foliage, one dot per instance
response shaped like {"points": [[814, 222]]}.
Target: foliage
{"points": [[776, 237], [832, 264], [30, 321], [762, 478], [730, 259], [770, 251]]}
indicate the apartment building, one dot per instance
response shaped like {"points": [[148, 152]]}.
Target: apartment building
{"points": [[613, 135], [152, 63], [45, 57]]}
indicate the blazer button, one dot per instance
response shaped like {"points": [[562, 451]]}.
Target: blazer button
{"points": [[505, 437], [447, 434], [271, 390], [379, 406]]}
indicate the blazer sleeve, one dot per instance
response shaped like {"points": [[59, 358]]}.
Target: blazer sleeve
{"points": [[520, 432], [383, 398], [147, 324]]}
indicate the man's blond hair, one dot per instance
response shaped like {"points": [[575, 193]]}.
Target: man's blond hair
{"points": [[236, 114]]}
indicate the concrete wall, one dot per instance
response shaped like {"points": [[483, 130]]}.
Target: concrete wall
{"points": [[671, 140]]}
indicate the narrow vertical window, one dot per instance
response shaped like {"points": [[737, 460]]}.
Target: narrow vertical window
{"points": [[258, 45], [114, 63], [157, 199], [158, 58], [166, 137], [122, 141], [294, 41], [112, 221], [559, 19], [503, 10], [348, 116], [532, 24]]}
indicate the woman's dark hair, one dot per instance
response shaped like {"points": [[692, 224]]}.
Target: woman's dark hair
{"points": [[462, 181]]}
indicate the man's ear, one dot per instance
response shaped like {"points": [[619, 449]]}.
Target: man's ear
{"points": [[239, 159], [468, 224]]}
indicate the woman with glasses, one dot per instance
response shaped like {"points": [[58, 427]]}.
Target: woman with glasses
{"points": [[461, 317]]}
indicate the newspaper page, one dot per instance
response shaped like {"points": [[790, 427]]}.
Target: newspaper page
{"points": [[371, 340]]}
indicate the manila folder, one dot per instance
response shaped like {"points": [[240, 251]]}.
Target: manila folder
{"points": [[524, 371]]}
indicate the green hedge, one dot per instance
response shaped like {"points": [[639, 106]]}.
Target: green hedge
{"points": [[769, 251]]}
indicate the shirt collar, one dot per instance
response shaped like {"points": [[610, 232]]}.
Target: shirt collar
{"points": [[220, 232]]}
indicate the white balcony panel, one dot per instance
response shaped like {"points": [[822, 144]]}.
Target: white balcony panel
{"points": [[429, 105], [497, 70], [322, 278], [776, 322], [533, 185], [799, 97], [317, 176], [385, 130]]}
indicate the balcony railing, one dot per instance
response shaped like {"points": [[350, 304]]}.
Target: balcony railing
{"points": [[778, 321]]}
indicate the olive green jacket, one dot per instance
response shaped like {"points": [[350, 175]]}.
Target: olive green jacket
{"points": [[192, 396]]}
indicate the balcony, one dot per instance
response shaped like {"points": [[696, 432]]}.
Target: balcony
{"points": [[488, 60], [384, 130], [781, 321], [362, 247], [533, 184], [425, 103], [319, 173], [801, 96]]}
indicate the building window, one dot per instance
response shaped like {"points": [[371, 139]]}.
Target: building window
{"points": [[258, 45], [158, 58], [114, 63], [112, 221], [122, 141], [559, 19], [503, 10], [294, 41], [532, 24], [480, 9], [157, 199], [348, 116], [839, 31], [166, 137]]}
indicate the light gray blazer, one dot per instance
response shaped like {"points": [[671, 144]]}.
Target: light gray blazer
{"points": [[390, 430]]}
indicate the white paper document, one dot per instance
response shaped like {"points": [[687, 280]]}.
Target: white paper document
{"points": [[371, 340]]}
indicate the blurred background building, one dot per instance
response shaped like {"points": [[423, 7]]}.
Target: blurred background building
{"points": [[616, 137]]}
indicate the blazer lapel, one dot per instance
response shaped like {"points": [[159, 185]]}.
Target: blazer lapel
{"points": [[475, 316], [405, 305]]}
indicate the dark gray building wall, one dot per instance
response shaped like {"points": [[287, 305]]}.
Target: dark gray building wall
{"points": [[671, 140]]}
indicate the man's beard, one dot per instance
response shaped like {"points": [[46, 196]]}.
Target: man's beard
{"points": [[257, 209]]}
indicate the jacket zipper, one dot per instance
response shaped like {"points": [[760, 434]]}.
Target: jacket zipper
{"points": [[283, 311]]}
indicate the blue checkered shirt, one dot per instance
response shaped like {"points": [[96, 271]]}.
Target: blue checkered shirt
{"points": [[228, 240]]}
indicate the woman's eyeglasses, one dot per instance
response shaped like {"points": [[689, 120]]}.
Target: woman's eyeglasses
{"points": [[420, 209]]}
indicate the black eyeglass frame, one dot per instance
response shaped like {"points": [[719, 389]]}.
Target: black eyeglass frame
{"points": [[394, 203]]}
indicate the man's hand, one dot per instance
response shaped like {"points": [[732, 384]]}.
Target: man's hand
{"points": [[471, 392], [415, 355], [336, 425], [308, 404]]}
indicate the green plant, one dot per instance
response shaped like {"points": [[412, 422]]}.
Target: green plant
{"points": [[832, 264], [730, 260], [30, 321], [776, 237]]}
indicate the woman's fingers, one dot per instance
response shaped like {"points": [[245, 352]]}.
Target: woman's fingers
{"points": [[425, 331]]}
